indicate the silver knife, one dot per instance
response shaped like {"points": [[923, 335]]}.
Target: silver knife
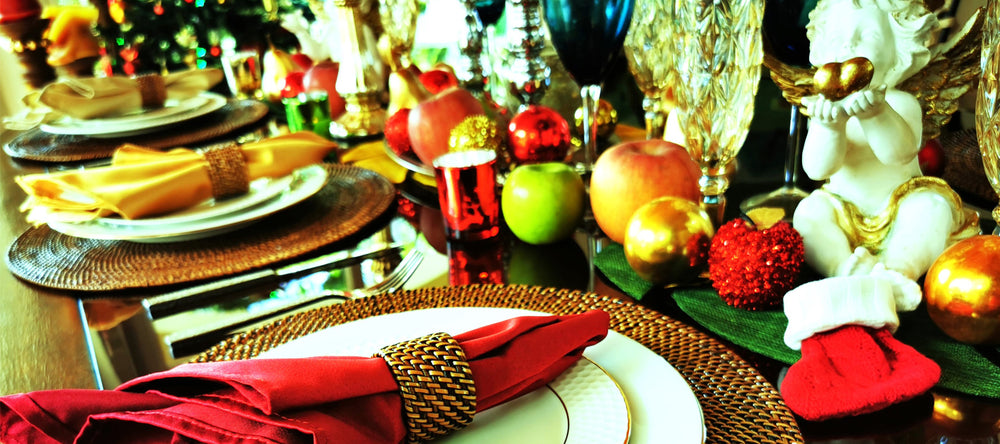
{"points": [[177, 301]]}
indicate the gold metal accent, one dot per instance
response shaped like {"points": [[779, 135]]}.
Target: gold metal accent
{"points": [[870, 231], [358, 81], [399, 24], [435, 382]]}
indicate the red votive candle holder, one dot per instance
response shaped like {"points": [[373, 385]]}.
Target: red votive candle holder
{"points": [[467, 192], [476, 262]]}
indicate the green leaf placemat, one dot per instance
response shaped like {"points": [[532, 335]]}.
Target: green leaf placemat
{"points": [[963, 368], [611, 261]]}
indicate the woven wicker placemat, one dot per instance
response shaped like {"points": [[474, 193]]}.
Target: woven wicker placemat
{"points": [[351, 199], [38, 145], [739, 405]]}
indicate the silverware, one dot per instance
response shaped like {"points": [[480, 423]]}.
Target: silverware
{"points": [[193, 341], [181, 300]]}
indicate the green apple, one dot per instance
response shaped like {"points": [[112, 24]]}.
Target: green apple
{"points": [[543, 203]]}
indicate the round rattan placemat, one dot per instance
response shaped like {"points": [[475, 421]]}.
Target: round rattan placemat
{"points": [[38, 145], [738, 403], [351, 199]]}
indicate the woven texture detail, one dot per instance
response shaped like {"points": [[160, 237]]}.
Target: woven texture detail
{"points": [[350, 201], [227, 170], [435, 382], [738, 403], [152, 89], [38, 145]]}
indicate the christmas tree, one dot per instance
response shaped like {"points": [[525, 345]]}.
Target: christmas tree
{"points": [[143, 36]]}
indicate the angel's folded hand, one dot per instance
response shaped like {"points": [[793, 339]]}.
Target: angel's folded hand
{"points": [[866, 103], [824, 111]]}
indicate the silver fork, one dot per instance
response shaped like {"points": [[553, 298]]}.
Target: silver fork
{"points": [[189, 342]]}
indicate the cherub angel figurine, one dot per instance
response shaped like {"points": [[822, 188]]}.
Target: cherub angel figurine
{"points": [[876, 213], [877, 224]]}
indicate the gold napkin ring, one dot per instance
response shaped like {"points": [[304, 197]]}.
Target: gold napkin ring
{"points": [[227, 170], [435, 382], [153, 90]]}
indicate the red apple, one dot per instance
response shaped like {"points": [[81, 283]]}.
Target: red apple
{"points": [[438, 79], [431, 121], [630, 174], [302, 61], [323, 76]]}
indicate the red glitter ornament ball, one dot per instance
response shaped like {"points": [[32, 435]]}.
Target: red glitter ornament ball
{"points": [[397, 135], [539, 134], [753, 269]]}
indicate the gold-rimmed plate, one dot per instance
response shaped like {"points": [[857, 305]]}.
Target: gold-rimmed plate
{"points": [[174, 111], [660, 405], [303, 183]]}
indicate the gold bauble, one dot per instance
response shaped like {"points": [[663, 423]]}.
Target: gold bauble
{"points": [[607, 119], [962, 289], [478, 132], [839, 80], [666, 240]]}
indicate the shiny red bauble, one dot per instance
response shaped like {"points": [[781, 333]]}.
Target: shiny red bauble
{"points": [[539, 134]]}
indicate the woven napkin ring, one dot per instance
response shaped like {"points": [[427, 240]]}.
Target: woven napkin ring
{"points": [[152, 89], [227, 170], [435, 382]]}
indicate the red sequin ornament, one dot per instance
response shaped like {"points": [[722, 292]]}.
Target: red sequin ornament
{"points": [[753, 269], [539, 134], [397, 135]]}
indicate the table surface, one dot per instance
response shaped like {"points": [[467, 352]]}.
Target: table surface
{"points": [[59, 339]]}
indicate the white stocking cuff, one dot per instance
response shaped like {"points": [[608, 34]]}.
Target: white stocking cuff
{"points": [[829, 303]]}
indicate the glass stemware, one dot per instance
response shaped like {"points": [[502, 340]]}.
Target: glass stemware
{"points": [[784, 28], [587, 35], [649, 52], [718, 62], [987, 103]]}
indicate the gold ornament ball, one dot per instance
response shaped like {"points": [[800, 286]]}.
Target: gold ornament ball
{"points": [[962, 289], [607, 119], [666, 240], [478, 132]]}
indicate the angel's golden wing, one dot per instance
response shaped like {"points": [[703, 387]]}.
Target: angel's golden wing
{"points": [[794, 82], [949, 75]]}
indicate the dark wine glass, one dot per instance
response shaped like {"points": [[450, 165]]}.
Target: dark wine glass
{"points": [[784, 29], [489, 11], [587, 35]]}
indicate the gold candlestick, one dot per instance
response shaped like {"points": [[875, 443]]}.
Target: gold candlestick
{"points": [[357, 82]]}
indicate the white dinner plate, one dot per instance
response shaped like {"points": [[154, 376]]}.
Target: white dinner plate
{"points": [[661, 406], [173, 111], [260, 190], [304, 183]]}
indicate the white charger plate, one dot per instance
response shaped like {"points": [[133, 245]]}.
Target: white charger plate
{"points": [[304, 183], [661, 406], [173, 111]]}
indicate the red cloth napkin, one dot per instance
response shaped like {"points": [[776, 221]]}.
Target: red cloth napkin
{"points": [[317, 400]]}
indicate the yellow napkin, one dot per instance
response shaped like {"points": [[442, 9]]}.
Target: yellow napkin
{"points": [[142, 182], [88, 98], [372, 156]]}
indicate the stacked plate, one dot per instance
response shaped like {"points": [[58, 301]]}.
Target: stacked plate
{"points": [[212, 217], [142, 122]]}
